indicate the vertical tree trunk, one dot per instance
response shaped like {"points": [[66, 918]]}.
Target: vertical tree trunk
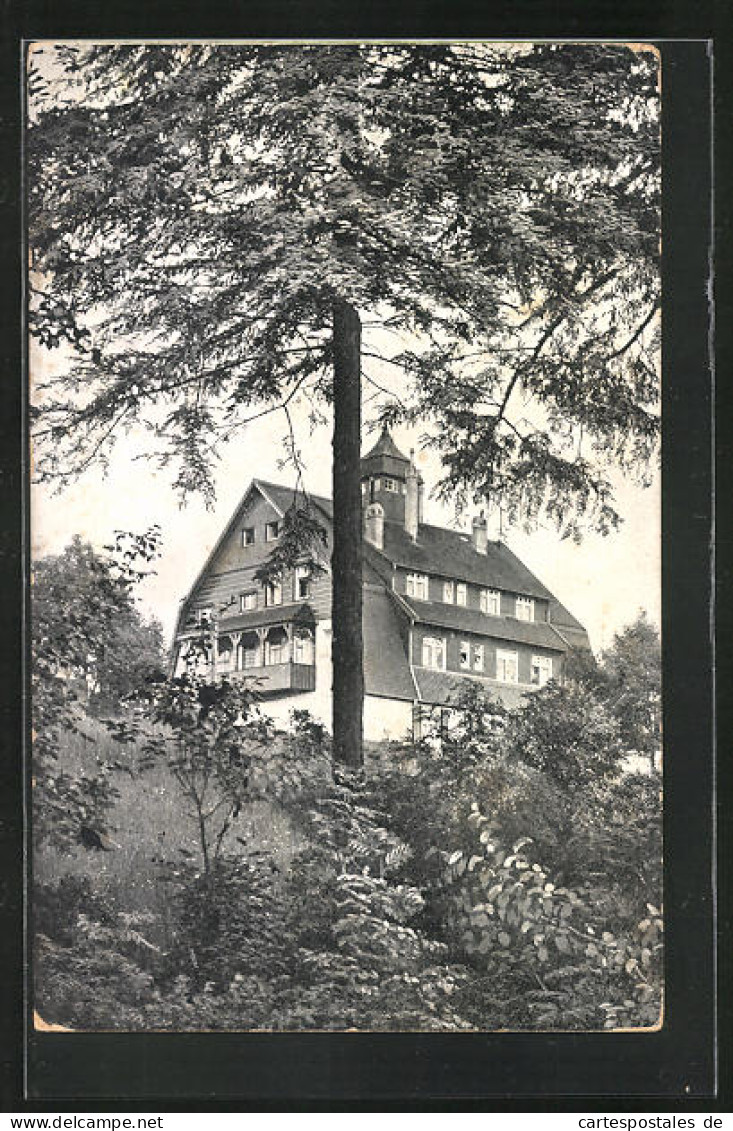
{"points": [[346, 560]]}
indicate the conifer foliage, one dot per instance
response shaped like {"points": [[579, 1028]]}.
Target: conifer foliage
{"points": [[208, 222]]}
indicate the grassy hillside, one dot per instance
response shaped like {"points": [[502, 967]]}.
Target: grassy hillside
{"points": [[150, 823]]}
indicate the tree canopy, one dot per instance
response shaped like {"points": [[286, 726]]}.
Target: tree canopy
{"points": [[88, 639], [195, 210]]}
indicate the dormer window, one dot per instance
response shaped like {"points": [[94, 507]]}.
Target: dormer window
{"points": [[461, 593], [491, 602], [416, 586], [448, 592], [272, 531], [525, 608], [248, 536]]}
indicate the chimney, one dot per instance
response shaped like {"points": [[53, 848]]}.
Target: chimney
{"points": [[374, 525], [480, 533], [420, 499], [412, 501]]}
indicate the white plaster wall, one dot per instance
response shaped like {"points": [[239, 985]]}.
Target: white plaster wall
{"points": [[383, 718], [386, 718]]}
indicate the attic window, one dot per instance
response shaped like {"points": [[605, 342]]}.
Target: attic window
{"points": [[272, 531], [248, 536], [491, 602], [525, 608], [416, 585]]}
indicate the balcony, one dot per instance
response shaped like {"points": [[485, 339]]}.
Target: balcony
{"points": [[276, 679]]}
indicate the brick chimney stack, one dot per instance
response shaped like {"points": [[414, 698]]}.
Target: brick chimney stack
{"points": [[412, 499], [480, 533], [374, 525]]}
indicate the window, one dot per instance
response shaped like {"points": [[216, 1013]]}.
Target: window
{"points": [[274, 593], [247, 601], [478, 657], [364, 486], [491, 602], [461, 593], [276, 647], [417, 586], [541, 670], [303, 648], [391, 485], [448, 592], [525, 608], [302, 582], [433, 653], [250, 651], [507, 668], [204, 616], [248, 536], [464, 655], [272, 531]]}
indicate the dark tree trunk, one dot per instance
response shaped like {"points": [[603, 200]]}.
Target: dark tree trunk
{"points": [[346, 649]]}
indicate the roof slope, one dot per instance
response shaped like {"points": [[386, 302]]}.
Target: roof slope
{"points": [[501, 628], [443, 688], [273, 614], [385, 446], [283, 498], [386, 667], [449, 553]]}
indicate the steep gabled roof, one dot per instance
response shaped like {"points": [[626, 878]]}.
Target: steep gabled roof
{"points": [[449, 553], [281, 498]]}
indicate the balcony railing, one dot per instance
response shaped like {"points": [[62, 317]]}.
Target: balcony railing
{"points": [[274, 679]]}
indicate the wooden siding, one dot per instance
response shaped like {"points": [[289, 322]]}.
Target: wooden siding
{"points": [[231, 573]]}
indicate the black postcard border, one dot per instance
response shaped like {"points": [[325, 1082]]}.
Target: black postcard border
{"points": [[328, 1071]]}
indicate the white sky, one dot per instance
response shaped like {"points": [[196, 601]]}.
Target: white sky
{"points": [[604, 581]]}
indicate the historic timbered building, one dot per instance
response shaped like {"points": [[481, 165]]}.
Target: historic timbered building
{"points": [[440, 607]]}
